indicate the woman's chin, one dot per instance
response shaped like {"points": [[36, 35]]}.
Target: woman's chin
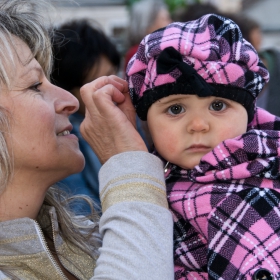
{"points": [[77, 165]]}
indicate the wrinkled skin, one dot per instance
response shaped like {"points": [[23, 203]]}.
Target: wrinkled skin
{"points": [[109, 124]]}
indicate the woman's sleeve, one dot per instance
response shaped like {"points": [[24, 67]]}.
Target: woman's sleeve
{"points": [[136, 225]]}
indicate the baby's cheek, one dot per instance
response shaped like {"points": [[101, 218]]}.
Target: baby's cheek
{"points": [[171, 146], [167, 143], [229, 133]]}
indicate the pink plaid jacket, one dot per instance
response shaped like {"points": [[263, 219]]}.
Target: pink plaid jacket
{"points": [[227, 209]]}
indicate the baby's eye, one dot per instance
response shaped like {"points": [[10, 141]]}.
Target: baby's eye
{"points": [[218, 105], [175, 109]]}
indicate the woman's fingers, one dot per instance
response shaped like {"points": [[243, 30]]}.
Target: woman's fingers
{"points": [[112, 86], [128, 109], [120, 81], [109, 124]]}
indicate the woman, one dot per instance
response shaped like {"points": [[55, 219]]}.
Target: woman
{"points": [[39, 237]]}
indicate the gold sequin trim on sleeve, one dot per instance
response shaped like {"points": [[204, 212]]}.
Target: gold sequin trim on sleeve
{"points": [[134, 191], [132, 176]]}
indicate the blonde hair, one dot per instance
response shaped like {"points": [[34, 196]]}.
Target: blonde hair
{"points": [[23, 20], [26, 20]]}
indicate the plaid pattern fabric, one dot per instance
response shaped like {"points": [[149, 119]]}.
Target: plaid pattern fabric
{"points": [[212, 45], [227, 209]]}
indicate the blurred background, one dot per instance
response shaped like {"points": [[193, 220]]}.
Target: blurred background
{"points": [[113, 15]]}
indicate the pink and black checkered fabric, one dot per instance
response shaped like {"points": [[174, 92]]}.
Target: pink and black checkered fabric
{"points": [[213, 46], [227, 209]]}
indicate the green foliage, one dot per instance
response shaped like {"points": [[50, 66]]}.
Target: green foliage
{"points": [[171, 4], [175, 4], [129, 3]]}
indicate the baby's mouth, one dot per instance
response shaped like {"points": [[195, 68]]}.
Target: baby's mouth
{"points": [[198, 147]]}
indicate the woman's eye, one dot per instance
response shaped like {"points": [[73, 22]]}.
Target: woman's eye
{"points": [[175, 110], [218, 106], [35, 87]]}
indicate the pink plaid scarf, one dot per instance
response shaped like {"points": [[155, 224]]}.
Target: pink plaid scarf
{"points": [[225, 209]]}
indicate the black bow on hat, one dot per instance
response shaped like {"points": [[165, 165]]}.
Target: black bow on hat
{"points": [[170, 59]]}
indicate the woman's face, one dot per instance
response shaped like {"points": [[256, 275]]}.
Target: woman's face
{"points": [[39, 140]]}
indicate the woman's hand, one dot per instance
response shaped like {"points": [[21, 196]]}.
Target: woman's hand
{"points": [[109, 124]]}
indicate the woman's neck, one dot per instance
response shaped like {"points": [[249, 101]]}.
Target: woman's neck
{"points": [[20, 200]]}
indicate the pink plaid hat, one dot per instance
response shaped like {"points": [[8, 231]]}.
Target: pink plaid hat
{"points": [[207, 57]]}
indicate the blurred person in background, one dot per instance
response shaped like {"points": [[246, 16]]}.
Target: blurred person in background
{"points": [[269, 98], [195, 11], [82, 53], [250, 28], [146, 16]]}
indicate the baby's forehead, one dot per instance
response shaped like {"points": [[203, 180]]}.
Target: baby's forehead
{"points": [[174, 97], [186, 97]]}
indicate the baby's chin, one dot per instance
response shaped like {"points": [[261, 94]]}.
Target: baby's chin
{"points": [[188, 166]]}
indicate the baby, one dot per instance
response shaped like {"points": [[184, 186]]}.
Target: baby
{"points": [[196, 84]]}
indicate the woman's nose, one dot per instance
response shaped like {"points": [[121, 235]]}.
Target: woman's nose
{"points": [[66, 102], [198, 124]]}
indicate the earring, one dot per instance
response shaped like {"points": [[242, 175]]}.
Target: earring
{"points": [[166, 167]]}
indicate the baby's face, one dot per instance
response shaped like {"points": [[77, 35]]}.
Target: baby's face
{"points": [[186, 127]]}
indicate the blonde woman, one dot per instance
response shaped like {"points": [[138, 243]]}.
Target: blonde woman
{"points": [[39, 237]]}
